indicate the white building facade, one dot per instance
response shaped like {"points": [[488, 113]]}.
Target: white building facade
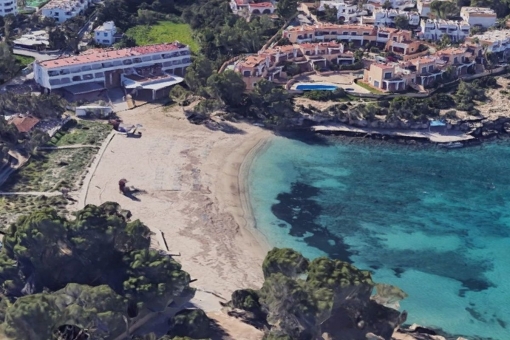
{"points": [[8, 7], [478, 16], [107, 66], [346, 12], [386, 17], [494, 41], [62, 10], [105, 34], [395, 4], [435, 29]]}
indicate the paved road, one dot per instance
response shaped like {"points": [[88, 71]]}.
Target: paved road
{"points": [[37, 56]]}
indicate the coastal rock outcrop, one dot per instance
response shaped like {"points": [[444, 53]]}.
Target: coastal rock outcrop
{"points": [[322, 298]]}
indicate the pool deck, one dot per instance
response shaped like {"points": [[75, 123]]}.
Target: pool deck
{"points": [[434, 137], [354, 86]]}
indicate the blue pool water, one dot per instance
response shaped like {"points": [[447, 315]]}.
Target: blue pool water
{"points": [[317, 87], [434, 222]]}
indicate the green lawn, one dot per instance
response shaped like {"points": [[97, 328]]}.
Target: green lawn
{"points": [[23, 61], [369, 88], [83, 132], [163, 32]]}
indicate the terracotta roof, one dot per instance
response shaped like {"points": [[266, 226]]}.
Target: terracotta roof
{"points": [[382, 66], [451, 50], [96, 55], [262, 4], [252, 61], [24, 124]]}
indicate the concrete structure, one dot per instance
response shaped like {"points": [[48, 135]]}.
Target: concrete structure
{"points": [[396, 4], [8, 7], [35, 40], [61, 10], [251, 7], [94, 111], [386, 17], [493, 41], [269, 64], [261, 8], [347, 13], [435, 29], [106, 34], [478, 16], [107, 68]]}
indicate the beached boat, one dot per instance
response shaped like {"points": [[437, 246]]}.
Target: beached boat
{"points": [[451, 145]]}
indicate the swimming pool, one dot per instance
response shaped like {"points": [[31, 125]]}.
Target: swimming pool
{"points": [[317, 87]]}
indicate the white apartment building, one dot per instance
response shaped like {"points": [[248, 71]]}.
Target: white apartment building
{"points": [[435, 29], [108, 67], [478, 16], [8, 7], [105, 34], [386, 17], [346, 12], [495, 41], [371, 5], [62, 10]]}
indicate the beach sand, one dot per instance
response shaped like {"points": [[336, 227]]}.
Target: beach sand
{"points": [[191, 190]]}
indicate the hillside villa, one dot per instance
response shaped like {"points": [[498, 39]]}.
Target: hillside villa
{"points": [[435, 29], [62, 10], [269, 64], [252, 7], [479, 16], [386, 17], [424, 71], [494, 41]]}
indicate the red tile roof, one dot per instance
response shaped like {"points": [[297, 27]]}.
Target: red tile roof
{"points": [[24, 124], [262, 4], [96, 55]]}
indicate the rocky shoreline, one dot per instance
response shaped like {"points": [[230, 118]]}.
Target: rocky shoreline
{"points": [[468, 132]]}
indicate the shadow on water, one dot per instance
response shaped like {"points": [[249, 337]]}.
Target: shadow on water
{"points": [[299, 210], [304, 136]]}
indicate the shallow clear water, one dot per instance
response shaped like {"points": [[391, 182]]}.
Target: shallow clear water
{"points": [[434, 222]]}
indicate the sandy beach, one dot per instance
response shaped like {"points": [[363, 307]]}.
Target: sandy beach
{"points": [[192, 190]]}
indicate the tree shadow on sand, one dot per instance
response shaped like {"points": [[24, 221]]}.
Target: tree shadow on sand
{"points": [[223, 126], [217, 332]]}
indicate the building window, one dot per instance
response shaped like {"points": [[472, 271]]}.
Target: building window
{"points": [[423, 70], [105, 34], [387, 75], [376, 83]]}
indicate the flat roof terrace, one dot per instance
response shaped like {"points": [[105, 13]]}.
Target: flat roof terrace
{"points": [[99, 55]]}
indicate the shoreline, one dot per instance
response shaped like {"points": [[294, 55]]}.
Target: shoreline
{"points": [[194, 190], [243, 177]]}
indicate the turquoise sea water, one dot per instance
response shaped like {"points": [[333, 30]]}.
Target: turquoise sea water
{"points": [[434, 222]]}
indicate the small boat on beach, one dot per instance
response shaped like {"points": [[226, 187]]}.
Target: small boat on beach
{"points": [[451, 145]]}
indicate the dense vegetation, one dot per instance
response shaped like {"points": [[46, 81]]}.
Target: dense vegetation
{"points": [[302, 299], [94, 275]]}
